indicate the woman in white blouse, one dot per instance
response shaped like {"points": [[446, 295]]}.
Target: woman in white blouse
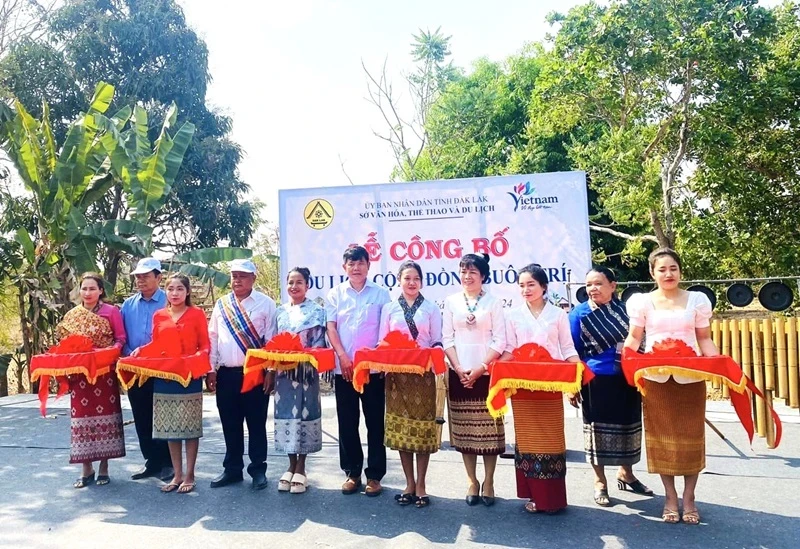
{"points": [[411, 398], [540, 452], [674, 406], [473, 335]]}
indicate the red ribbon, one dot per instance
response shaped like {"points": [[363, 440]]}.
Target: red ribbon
{"points": [[677, 358], [398, 353], [283, 352]]}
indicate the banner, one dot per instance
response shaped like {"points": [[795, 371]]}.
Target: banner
{"points": [[516, 220]]}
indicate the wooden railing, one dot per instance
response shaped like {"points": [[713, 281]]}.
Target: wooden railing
{"points": [[767, 351]]}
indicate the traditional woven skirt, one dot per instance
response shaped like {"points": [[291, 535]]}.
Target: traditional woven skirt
{"points": [[540, 453], [177, 410], [674, 427], [96, 431], [411, 413], [612, 421], [298, 411], [473, 430]]}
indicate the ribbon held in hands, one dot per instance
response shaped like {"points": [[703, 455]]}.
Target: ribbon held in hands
{"points": [[675, 357], [72, 356], [283, 352], [399, 354], [162, 358], [533, 369]]}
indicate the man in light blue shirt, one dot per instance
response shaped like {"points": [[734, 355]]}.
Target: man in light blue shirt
{"points": [[353, 311], [137, 315]]}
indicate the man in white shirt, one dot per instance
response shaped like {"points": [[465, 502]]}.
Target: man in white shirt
{"points": [[244, 319], [353, 312]]}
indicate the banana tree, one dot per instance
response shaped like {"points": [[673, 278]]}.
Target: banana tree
{"points": [[65, 182]]}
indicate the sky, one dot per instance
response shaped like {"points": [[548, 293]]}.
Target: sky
{"points": [[289, 74]]}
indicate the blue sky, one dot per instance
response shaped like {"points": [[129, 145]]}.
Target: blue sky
{"points": [[290, 76]]}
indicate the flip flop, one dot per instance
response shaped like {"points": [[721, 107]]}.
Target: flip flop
{"points": [[102, 480], [299, 484], [171, 487], [530, 507], [285, 482], [83, 482], [186, 488], [601, 497]]}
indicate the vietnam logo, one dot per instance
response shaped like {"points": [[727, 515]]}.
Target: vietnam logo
{"points": [[525, 199]]}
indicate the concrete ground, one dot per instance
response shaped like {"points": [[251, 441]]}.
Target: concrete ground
{"points": [[747, 497]]}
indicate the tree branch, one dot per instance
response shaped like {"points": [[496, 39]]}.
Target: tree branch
{"points": [[619, 234]]}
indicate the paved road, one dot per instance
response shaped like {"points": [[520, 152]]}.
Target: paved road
{"points": [[747, 497]]}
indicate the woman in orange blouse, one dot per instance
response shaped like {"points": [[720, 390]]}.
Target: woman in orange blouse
{"points": [[178, 410]]}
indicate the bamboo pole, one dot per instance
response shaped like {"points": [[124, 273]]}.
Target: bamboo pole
{"points": [[726, 349], [780, 348], [441, 402], [758, 377], [747, 356], [717, 337], [770, 425], [769, 356], [794, 398]]}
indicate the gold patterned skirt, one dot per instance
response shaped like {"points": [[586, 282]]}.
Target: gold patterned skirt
{"points": [[472, 429], [674, 427], [177, 411], [411, 413]]}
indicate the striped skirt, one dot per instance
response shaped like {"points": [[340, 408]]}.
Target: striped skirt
{"points": [[177, 410], [472, 429], [674, 427], [411, 413], [612, 421], [540, 453]]}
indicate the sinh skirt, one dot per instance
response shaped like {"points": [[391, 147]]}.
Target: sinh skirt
{"points": [[96, 431], [473, 429], [674, 427], [612, 421], [540, 452], [177, 410], [411, 413]]}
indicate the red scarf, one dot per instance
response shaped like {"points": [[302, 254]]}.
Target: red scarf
{"points": [[285, 351]]}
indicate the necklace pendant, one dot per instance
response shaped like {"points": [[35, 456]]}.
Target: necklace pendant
{"points": [[471, 319]]}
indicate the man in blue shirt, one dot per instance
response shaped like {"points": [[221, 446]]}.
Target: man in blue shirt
{"points": [[137, 315]]}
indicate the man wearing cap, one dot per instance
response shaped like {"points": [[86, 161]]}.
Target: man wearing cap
{"points": [[244, 319], [137, 315]]}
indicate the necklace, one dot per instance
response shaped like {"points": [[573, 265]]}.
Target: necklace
{"points": [[472, 308]]}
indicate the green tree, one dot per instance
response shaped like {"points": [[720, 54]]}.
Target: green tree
{"points": [[145, 49]]}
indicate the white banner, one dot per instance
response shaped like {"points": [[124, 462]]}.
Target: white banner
{"points": [[516, 220]]}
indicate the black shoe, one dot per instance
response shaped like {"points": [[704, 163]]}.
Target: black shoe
{"points": [[472, 500], [259, 481], [144, 472], [226, 478], [488, 501], [167, 474]]}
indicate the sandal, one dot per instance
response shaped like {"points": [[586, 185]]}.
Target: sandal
{"points": [[422, 501], [405, 499], [601, 497], [83, 482], [530, 507], [285, 482], [299, 484], [636, 487], [670, 516], [691, 516], [171, 487], [102, 480], [185, 488]]}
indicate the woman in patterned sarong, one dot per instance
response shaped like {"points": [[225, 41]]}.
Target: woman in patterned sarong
{"points": [[473, 335], [540, 452], [411, 398], [298, 409], [178, 410], [612, 409], [96, 432]]}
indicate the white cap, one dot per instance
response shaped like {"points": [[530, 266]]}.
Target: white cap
{"points": [[147, 265], [242, 266]]}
